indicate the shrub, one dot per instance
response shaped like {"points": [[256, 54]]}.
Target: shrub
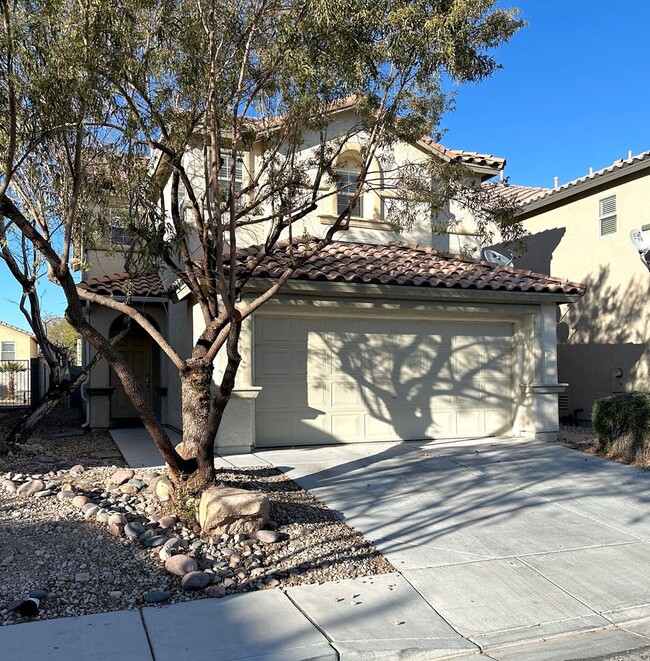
{"points": [[622, 422]]}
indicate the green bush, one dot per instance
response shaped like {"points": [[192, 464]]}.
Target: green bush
{"points": [[624, 415]]}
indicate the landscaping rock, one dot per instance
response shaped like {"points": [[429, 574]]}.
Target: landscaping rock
{"points": [[215, 591], [167, 522], [133, 530], [181, 565], [164, 488], [156, 597], [267, 536], [121, 476], [31, 487], [195, 580], [227, 510], [77, 470], [80, 501]]}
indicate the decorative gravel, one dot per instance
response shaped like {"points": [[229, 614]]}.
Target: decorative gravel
{"points": [[59, 540]]}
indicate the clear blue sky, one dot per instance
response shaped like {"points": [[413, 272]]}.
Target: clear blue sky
{"points": [[573, 93]]}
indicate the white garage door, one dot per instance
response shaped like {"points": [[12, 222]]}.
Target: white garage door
{"points": [[354, 380]]}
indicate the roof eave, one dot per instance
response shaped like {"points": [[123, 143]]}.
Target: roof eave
{"points": [[406, 292], [562, 194]]}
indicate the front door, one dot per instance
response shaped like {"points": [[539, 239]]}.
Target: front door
{"points": [[137, 351]]}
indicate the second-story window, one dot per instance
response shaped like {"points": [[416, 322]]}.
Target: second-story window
{"points": [[119, 235], [607, 215], [347, 186], [226, 171], [8, 351]]}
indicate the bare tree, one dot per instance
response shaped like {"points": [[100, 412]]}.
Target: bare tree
{"points": [[157, 104]]}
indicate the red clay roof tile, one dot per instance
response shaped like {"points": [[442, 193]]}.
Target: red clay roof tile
{"points": [[399, 264]]}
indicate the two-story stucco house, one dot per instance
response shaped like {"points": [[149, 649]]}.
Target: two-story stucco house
{"points": [[380, 337], [581, 230]]}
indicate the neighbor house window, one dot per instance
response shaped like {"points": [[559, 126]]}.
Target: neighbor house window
{"points": [[8, 351], [226, 170], [607, 215], [118, 233], [347, 186]]}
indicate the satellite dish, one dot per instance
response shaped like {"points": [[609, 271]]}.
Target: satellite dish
{"points": [[639, 240], [495, 257]]}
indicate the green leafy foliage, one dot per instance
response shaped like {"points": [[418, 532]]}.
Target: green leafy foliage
{"points": [[624, 414]]}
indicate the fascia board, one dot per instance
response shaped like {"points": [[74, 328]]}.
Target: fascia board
{"points": [[561, 194], [396, 292]]}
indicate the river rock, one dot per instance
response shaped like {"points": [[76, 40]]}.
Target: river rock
{"points": [[80, 501], [229, 510], [133, 530], [267, 536], [31, 487], [121, 476], [195, 580], [156, 597], [215, 591], [180, 565], [166, 522], [164, 488]]}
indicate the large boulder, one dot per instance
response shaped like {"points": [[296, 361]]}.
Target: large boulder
{"points": [[227, 510]]}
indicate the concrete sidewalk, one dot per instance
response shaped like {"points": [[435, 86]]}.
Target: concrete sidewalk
{"points": [[508, 550]]}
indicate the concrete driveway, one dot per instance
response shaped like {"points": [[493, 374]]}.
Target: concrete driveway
{"points": [[527, 550]]}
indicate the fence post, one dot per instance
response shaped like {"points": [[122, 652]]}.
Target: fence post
{"points": [[34, 382]]}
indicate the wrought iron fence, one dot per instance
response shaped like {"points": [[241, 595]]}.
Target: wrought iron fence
{"points": [[15, 383]]}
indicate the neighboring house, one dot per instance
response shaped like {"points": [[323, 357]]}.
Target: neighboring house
{"points": [[16, 347], [379, 338], [581, 230]]}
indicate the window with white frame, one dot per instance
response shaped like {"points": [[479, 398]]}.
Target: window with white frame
{"points": [[118, 232], [226, 171], [607, 215], [347, 185], [8, 351]]}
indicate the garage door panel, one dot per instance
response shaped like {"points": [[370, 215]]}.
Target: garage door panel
{"points": [[315, 394], [361, 379], [442, 424], [305, 430], [275, 329], [470, 422], [377, 429], [345, 394], [276, 396], [274, 363], [347, 426]]}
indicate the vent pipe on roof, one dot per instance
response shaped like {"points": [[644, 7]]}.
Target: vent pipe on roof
{"points": [[591, 171], [629, 155], [556, 182], [502, 175]]}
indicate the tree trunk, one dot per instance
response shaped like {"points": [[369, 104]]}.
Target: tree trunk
{"points": [[198, 434]]}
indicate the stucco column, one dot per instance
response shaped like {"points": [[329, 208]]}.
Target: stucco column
{"points": [[540, 393], [237, 432]]}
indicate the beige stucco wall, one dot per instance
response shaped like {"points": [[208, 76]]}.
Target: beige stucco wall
{"points": [[608, 328], [25, 344]]}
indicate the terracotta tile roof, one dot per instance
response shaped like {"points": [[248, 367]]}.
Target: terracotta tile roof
{"points": [[408, 265], [513, 194], [400, 264], [467, 157], [617, 168], [118, 284]]}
